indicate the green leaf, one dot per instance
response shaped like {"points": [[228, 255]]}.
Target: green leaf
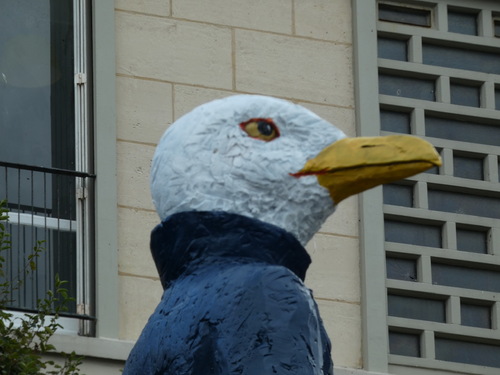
{"points": [[24, 339]]}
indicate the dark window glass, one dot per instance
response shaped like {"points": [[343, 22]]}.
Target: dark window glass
{"points": [[407, 87], [404, 344], [412, 233], [392, 121], [410, 16], [497, 99], [465, 95], [468, 167], [394, 49], [466, 204], [463, 23], [465, 277], [472, 241], [461, 58], [475, 315], [36, 284], [37, 128], [36, 83], [497, 28], [41, 193], [398, 195], [417, 308], [41, 199], [433, 170], [401, 269], [464, 131], [467, 352]]}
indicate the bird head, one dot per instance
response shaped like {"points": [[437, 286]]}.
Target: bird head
{"points": [[273, 160]]}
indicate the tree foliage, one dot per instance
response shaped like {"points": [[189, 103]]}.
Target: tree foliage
{"points": [[24, 338]]}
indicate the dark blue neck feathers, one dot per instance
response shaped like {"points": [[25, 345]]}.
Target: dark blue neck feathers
{"points": [[189, 238]]}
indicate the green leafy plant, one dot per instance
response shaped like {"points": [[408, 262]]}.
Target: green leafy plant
{"points": [[25, 339]]}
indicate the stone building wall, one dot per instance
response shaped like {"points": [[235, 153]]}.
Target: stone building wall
{"points": [[174, 55]]}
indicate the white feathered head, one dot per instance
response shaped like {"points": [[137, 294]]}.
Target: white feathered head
{"points": [[269, 159]]}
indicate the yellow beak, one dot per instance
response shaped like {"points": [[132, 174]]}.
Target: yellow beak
{"points": [[353, 165]]}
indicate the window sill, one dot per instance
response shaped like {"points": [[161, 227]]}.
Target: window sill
{"points": [[350, 371], [99, 347], [114, 349]]}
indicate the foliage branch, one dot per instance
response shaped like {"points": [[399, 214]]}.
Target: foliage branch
{"points": [[24, 338]]}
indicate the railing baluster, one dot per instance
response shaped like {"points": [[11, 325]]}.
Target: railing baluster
{"points": [[54, 219]]}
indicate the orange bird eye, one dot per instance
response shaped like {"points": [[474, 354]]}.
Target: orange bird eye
{"points": [[261, 128]]}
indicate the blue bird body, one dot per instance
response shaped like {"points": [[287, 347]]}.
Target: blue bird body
{"points": [[234, 302]]}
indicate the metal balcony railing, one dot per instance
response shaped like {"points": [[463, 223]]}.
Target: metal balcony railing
{"points": [[48, 206]]}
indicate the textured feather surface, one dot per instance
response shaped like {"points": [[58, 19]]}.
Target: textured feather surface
{"points": [[234, 302], [206, 162]]}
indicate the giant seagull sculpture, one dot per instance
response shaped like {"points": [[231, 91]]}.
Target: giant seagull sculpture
{"points": [[241, 184]]}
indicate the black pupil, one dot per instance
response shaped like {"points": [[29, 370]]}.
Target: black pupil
{"points": [[265, 128]]}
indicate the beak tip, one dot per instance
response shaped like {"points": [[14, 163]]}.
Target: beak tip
{"points": [[353, 165]]}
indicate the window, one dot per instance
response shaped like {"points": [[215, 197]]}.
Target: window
{"points": [[46, 162], [436, 72]]}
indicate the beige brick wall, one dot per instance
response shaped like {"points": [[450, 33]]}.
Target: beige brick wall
{"points": [[174, 55]]}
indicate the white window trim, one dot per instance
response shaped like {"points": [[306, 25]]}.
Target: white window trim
{"points": [[84, 238], [375, 345], [93, 347], [106, 246]]}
